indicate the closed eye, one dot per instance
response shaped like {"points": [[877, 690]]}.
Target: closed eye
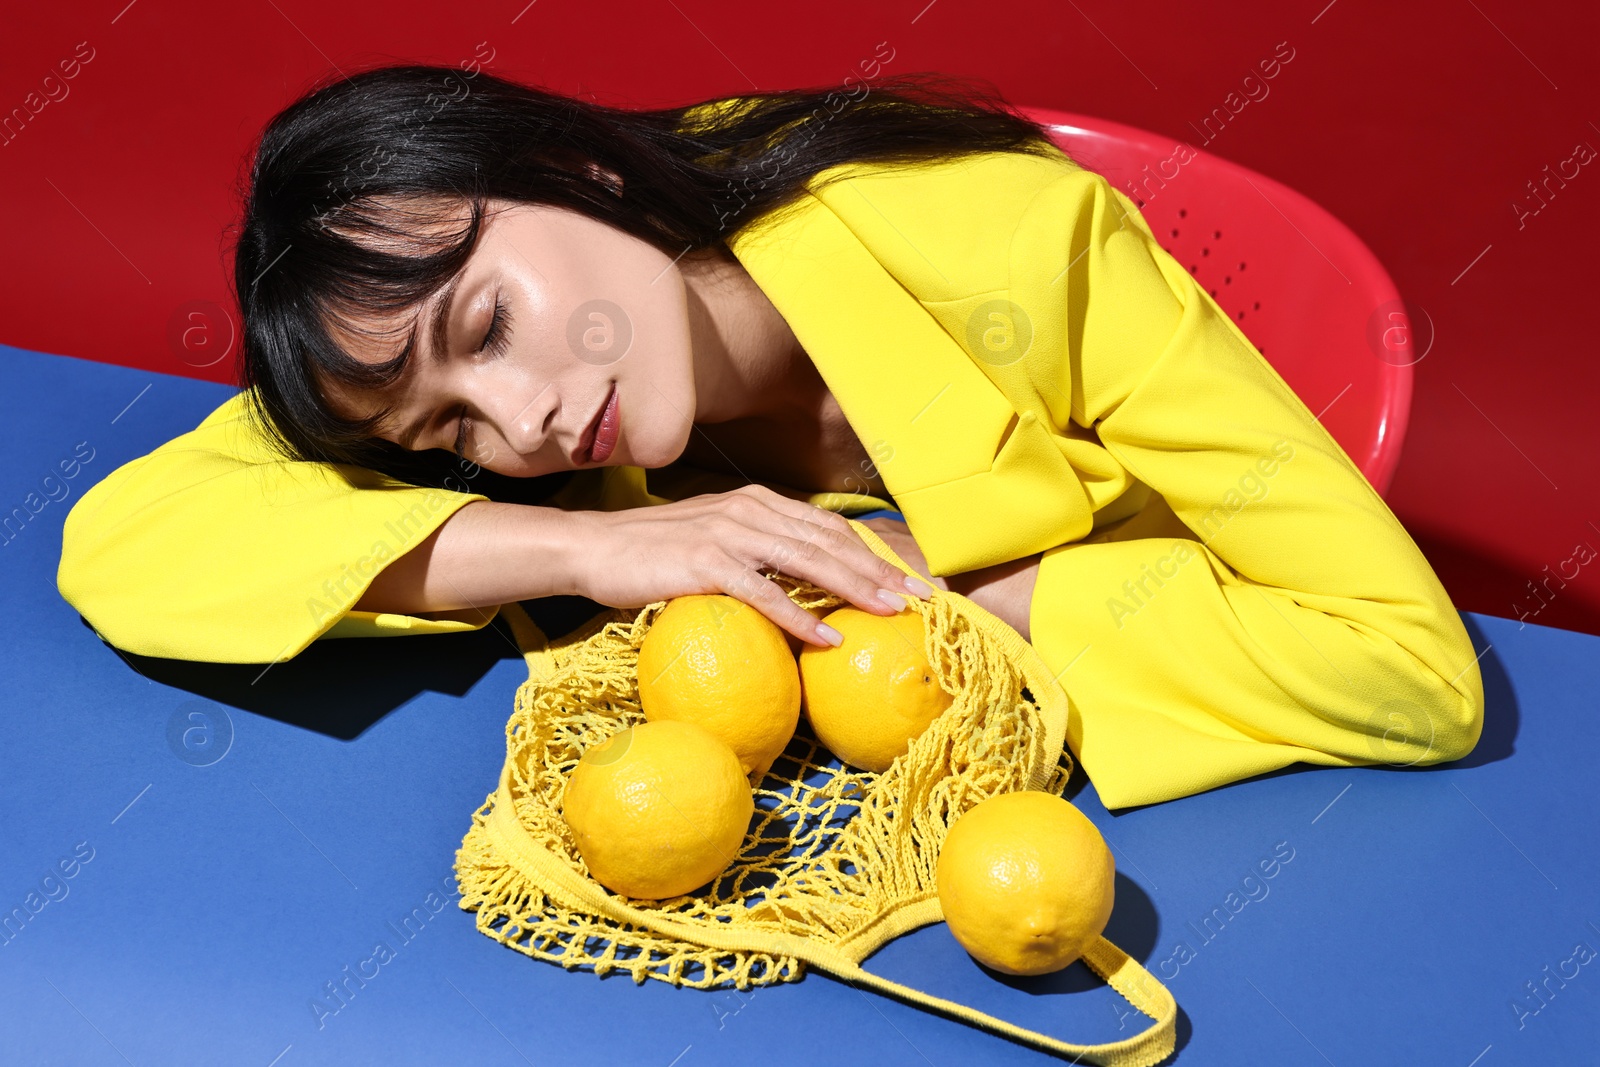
{"points": [[499, 332], [495, 340]]}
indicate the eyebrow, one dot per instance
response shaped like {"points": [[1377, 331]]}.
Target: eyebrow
{"points": [[439, 340]]}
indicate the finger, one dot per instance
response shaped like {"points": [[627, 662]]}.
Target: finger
{"points": [[841, 539], [756, 590], [822, 562], [897, 536]]}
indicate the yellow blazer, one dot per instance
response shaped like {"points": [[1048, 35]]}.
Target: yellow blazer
{"points": [[1221, 593]]}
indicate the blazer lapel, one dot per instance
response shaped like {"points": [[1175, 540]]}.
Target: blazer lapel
{"points": [[978, 483]]}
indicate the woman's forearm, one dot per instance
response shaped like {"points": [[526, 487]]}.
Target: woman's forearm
{"points": [[1005, 590], [485, 554]]}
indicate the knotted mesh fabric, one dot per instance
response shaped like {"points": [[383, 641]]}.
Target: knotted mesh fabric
{"points": [[836, 860]]}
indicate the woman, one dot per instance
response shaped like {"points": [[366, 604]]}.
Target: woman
{"points": [[902, 297]]}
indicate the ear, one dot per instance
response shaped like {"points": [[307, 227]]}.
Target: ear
{"points": [[609, 177]]}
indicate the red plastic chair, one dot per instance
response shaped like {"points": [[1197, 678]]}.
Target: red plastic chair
{"points": [[1299, 284]]}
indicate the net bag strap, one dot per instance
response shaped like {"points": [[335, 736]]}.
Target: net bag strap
{"points": [[1122, 972]]}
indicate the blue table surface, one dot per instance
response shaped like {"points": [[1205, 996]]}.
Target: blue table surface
{"points": [[1442, 915]]}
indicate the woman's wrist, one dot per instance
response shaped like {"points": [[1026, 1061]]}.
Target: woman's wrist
{"points": [[1004, 590], [485, 554]]}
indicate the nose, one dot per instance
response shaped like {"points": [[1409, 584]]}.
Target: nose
{"points": [[525, 416]]}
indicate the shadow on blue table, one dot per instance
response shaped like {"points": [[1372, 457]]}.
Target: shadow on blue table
{"points": [[340, 688]]}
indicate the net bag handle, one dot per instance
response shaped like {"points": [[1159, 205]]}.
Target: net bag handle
{"points": [[1119, 970], [1122, 972]]}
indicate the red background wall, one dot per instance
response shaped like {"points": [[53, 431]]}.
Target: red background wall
{"points": [[1421, 126]]}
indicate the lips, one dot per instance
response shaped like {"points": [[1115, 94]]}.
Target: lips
{"points": [[600, 435]]}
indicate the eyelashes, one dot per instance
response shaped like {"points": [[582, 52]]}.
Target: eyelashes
{"points": [[495, 340], [499, 332]]}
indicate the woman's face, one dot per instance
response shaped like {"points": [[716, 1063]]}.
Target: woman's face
{"points": [[553, 312]]}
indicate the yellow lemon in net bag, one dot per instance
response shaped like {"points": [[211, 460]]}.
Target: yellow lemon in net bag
{"points": [[1026, 882], [658, 810], [870, 696], [717, 662]]}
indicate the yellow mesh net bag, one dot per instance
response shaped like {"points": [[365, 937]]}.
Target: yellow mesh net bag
{"points": [[837, 861]]}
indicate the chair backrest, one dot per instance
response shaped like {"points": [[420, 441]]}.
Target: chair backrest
{"points": [[1304, 289]]}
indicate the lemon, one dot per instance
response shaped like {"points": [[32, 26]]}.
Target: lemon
{"points": [[868, 698], [1026, 882], [658, 810], [717, 662]]}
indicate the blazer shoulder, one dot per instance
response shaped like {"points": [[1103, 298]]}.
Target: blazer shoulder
{"points": [[944, 227]]}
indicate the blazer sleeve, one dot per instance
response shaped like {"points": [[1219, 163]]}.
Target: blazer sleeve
{"points": [[213, 548], [1267, 608]]}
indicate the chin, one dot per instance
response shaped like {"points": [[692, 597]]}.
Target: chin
{"points": [[657, 450], [680, 441]]}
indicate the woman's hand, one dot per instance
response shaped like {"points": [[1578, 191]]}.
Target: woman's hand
{"points": [[720, 543]]}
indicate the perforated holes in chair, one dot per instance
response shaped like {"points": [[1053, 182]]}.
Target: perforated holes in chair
{"points": [[1295, 280]]}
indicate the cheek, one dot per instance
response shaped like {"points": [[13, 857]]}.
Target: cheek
{"points": [[600, 333]]}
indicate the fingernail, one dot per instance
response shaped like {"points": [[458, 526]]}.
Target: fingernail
{"points": [[829, 634], [894, 600], [918, 586]]}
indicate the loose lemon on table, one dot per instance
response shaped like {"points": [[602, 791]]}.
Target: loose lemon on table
{"points": [[717, 662], [658, 809], [1026, 882], [870, 696]]}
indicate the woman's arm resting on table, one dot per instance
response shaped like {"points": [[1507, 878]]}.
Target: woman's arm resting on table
{"points": [[212, 547], [1287, 616], [491, 553], [487, 553]]}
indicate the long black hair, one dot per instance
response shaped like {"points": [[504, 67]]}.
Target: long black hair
{"points": [[342, 177]]}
